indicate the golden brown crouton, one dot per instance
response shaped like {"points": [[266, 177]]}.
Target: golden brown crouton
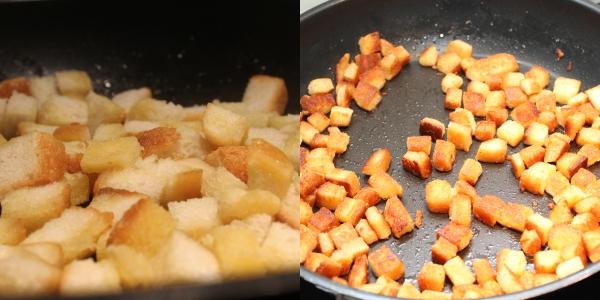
{"points": [[549, 119], [592, 152], [458, 272], [448, 62], [460, 136], [514, 215], [530, 242], [431, 277], [464, 117], [323, 220], [487, 209], [451, 81], [573, 124], [569, 163], [474, 102], [428, 57], [444, 154], [317, 103], [470, 171], [330, 195], [72, 132], [582, 178], [497, 115], [368, 195], [565, 88], [483, 270], [492, 151], [359, 274], [345, 178], [419, 143], [161, 141], [366, 232], [417, 163], [555, 148], [443, 250], [496, 64], [397, 217], [378, 223], [453, 98], [379, 161], [438, 195], [460, 210], [459, 235], [366, 96], [370, 43], [485, 130], [350, 210], [384, 262], [385, 185], [432, 127]]}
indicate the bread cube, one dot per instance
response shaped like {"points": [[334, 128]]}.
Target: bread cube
{"points": [[525, 113], [458, 272], [453, 98], [591, 241], [330, 195], [341, 67], [238, 252], [585, 222], [308, 133], [369, 43], [223, 127], [359, 274], [582, 178], [514, 215], [549, 119], [384, 262], [448, 62], [555, 148], [118, 153], [460, 210], [530, 86], [464, 117], [460, 136], [514, 96], [568, 267], [443, 250], [541, 225], [48, 200], [428, 57], [532, 155], [459, 235], [417, 163], [323, 220], [374, 76], [350, 210], [391, 66], [492, 151], [12, 232], [60, 110], [483, 270], [366, 232], [512, 132], [308, 242], [561, 213], [343, 93], [77, 276], [318, 120], [432, 277], [562, 236], [368, 195], [18, 108], [438, 196], [479, 88], [73, 83], [72, 132], [396, 215], [474, 102], [539, 75], [385, 185], [461, 48], [589, 111], [408, 291], [379, 161], [497, 115], [592, 152], [317, 103], [451, 81], [433, 128], [340, 116], [492, 65], [467, 62], [341, 235], [378, 223], [536, 134], [573, 124], [512, 79], [400, 52], [25, 273], [588, 136], [496, 99], [320, 86], [530, 242], [470, 171], [337, 140], [419, 144], [485, 130], [14, 85], [508, 281], [517, 164], [487, 209], [569, 163], [513, 260], [366, 96], [565, 88], [546, 261]]}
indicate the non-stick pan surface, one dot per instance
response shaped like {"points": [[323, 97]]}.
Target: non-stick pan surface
{"points": [[186, 52], [529, 29]]}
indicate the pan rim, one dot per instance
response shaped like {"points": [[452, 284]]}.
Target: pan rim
{"points": [[338, 289]]}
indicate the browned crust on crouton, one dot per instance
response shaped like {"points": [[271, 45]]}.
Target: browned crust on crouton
{"points": [[317, 103], [18, 84], [52, 161], [235, 160], [160, 141]]}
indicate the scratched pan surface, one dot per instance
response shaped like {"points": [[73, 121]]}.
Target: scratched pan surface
{"points": [[188, 53], [529, 29]]}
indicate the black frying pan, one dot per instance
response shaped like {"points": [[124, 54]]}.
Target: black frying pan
{"points": [[529, 29], [188, 53]]}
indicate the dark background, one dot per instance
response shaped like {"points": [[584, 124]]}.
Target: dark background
{"points": [[189, 52]]}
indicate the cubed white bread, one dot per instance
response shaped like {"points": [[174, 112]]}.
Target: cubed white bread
{"points": [[29, 160], [80, 187], [195, 216], [42, 88], [191, 143], [183, 260], [73, 83], [85, 277], [61, 110], [137, 126], [28, 127], [265, 94], [76, 230], [155, 110], [102, 110], [20, 108], [110, 131], [258, 223], [135, 269], [49, 252], [224, 127], [34, 206], [271, 135], [115, 201], [129, 98], [24, 273], [289, 212], [279, 248]]}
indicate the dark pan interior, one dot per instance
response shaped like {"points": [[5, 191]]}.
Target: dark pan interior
{"points": [[529, 29], [189, 53]]}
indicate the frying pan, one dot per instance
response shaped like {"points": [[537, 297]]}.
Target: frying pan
{"points": [[188, 53], [529, 29]]}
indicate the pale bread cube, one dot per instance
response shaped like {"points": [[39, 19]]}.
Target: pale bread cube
{"points": [[109, 131], [102, 110], [20, 108], [135, 269], [148, 109], [42, 88], [223, 127], [129, 98], [61, 110], [278, 254], [84, 277], [73, 83], [103, 156], [265, 94], [12, 232], [195, 216], [24, 273]]}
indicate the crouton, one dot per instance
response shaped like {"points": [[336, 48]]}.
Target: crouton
{"points": [[341, 235], [384, 262], [525, 113], [443, 250], [48, 200], [73, 83], [101, 156], [483, 270], [42, 160], [451, 81], [591, 241], [492, 151], [432, 127], [460, 210], [438, 196], [330, 195], [431, 277], [475, 103], [378, 223], [453, 98], [318, 120], [343, 93], [457, 234], [515, 97], [77, 276], [366, 232], [568, 267], [478, 87], [512, 79], [24, 273], [464, 188], [271, 170], [317, 103], [350, 210], [555, 148], [76, 230], [495, 99], [497, 115], [517, 164], [444, 155], [582, 178], [462, 48], [569, 163], [508, 281], [337, 140], [60, 110], [467, 62], [539, 75], [12, 232], [448, 62], [385, 185], [320, 86], [379, 161], [514, 215], [265, 94], [512, 260], [530, 86], [530, 242], [532, 154], [536, 134], [233, 261], [370, 43], [223, 127], [561, 213], [323, 220], [366, 96], [588, 136], [308, 242], [396, 215], [487, 209], [512, 132], [485, 130], [562, 236], [428, 57], [587, 204], [470, 171], [14, 85], [549, 119], [573, 124], [391, 66], [374, 77], [398, 51], [368, 195], [541, 225], [592, 152], [458, 272], [340, 116], [72, 132], [464, 117], [565, 88], [496, 64], [417, 163], [419, 144], [359, 274]]}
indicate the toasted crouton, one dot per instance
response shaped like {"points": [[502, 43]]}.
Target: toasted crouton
{"points": [[512, 79], [568, 267], [76, 230], [49, 202], [592, 152], [549, 119], [487, 209], [14, 85], [513, 260], [379, 161], [87, 277], [366, 232], [555, 148], [483, 270], [384, 262], [582, 178], [562, 236], [374, 77], [460, 136], [385, 185], [458, 272], [391, 65], [462, 48], [432, 127], [453, 98], [525, 113], [223, 127], [514, 215], [541, 225], [512, 132], [350, 210], [530, 242], [112, 154], [378, 223], [428, 57], [419, 143], [432, 277], [565, 88], [330, 195], [370, 43], [492, 151], [495, 99], [73, 83], [496, 64], [470, 171], [308, 242], [397, 217], [536, 134], [196, 216], [460, 210], [438, 195], [12, 232], [60, 110], [322, 220], [343, 93], [464, 117], [475, 103], [448, 62], [265, 94], [497, 115], [417, 163], [30, 160], [444, 155], [561, 213], [588, 136], [459, 235], [451, 81], [539, 74], [573, 124], [569, 163], [443, 250], [317, 103], [359, 274], [366, 96], [530, 86], [517, 164], [485, 130], [271, 170], [72, 132]]}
